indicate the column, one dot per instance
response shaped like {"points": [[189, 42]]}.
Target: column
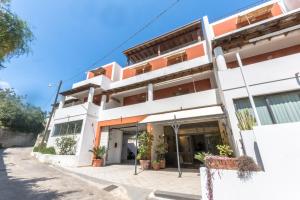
{"points": [[62, 102], [150, 92], [103, 100], [220, 59], [91, 95], [208, 36]]}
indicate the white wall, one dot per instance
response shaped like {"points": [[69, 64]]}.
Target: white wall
{"points": [[88, 112], [280, 152], [271, 76]]}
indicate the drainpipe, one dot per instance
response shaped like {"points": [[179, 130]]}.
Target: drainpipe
{"points": [[248, 90]]}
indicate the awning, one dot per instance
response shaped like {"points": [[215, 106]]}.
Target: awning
{"points": [[213, 112]]}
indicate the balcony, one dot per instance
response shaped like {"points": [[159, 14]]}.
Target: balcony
{"points": [[192, 100], [182, 66], [101, 80], [269, 71], [77, 111]]}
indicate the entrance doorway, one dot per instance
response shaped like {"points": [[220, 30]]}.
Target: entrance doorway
{"points": [[128, 148], [192, 138]]}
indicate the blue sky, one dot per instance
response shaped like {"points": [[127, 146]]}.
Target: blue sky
{"points": [[71, 35]]}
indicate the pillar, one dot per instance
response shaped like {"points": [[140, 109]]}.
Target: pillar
{"points": [[150, 92], [91, 95], [62, 102], [103, 100], [220, 59]]}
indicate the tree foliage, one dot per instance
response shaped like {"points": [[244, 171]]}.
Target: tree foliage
{"points": [[15, 35], [17, 115]]}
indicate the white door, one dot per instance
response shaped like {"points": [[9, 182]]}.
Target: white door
{"points": [[114, 147]]}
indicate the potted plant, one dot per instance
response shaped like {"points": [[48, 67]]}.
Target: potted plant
{"points": [[98, 156], [156, 164], [161, 149], [223, 160], [145, 142]]}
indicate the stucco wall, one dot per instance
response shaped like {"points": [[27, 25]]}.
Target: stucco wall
{"points": [[280, 153], [267, 77], [10, 138]]}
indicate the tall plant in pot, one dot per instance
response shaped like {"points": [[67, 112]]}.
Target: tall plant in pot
{"points": [[161, 149], [99, 153], [145, 142]]}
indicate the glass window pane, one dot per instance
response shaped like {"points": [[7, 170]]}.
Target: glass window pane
{"points": [[63, 130], [78, 126], [71, 128], [286, 107], [261, 107], [56, 129]]}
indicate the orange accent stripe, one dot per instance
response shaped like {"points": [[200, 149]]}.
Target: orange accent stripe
{"points": [[121, 121]]}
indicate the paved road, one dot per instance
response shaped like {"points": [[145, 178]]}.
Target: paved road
{"points": [[24, 178]]}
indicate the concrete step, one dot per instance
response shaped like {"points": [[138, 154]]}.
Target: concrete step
{"points": [[164, 195]]}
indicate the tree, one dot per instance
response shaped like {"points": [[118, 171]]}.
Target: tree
{"points": [[19, 116], [15, 35]]}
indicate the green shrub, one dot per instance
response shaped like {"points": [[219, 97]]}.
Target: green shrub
{"points": [[201, 156], [44, 150], [66, 145], [145, 141], [224, 150], [246, 120]]}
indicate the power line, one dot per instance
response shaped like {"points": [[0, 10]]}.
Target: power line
{"points": [[125, 41]]}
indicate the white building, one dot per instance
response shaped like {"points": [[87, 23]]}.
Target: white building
{"points": [[192, 73]]}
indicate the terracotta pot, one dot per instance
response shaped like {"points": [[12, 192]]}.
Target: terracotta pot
{"points": [[156, 165], [162, 164], [97, 163], [145, 164]]}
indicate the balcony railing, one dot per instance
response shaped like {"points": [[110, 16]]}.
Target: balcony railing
{"points": [[192, 100]]}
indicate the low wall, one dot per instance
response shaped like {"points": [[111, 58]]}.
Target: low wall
{"points": [[10, 138], [59, 160], [279, 150]]}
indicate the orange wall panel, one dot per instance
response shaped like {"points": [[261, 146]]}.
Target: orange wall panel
{"points": [[276, 10], [127, 73], [185, 88], [108, 71], [134, 99], [225, 26], [158, 63], [90, 75], [230, 24], [195, 52]]}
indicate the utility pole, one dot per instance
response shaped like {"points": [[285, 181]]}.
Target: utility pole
{"points": [[46, 134]]}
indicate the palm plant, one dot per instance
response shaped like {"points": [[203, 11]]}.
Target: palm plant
{"points": [[98, 152]]}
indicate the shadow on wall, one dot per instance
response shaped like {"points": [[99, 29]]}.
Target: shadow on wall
{"points": [[297, 75], [25, 189]]}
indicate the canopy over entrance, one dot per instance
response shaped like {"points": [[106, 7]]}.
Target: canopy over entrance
{"points": [[213, 112]]}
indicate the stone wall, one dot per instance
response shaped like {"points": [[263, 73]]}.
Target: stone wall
{"points": [[10, 138]]}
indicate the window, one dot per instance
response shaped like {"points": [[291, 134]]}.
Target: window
{"points": [[143, 69], [68, 128], [255, 16], [178, 58], [274, 109]]}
